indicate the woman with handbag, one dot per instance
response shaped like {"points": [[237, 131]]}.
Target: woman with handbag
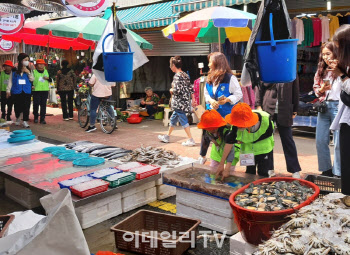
{"points": [[222, 91], [327, 89], [341, 68]]}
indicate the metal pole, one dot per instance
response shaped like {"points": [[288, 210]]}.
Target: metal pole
{"points": [[219, 39]]}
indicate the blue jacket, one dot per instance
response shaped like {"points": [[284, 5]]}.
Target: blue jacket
{"points": [[223, 89], [19, 88]]}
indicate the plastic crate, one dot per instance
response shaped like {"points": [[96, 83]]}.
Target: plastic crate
{"points": [[5, 221], [89, 192], [155, 233], [128, 166], [101, 174], [77, 180], [123, 179], [326, 184], [145, 171]]}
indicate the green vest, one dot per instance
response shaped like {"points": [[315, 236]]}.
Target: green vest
{"points": [[4, 79], [217, 155], [261, 147], [39, 84]]}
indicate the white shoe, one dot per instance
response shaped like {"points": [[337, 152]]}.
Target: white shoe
{"points": [[202, 160], [164, 138], [296, 175], [189, 142], [25, 124], [18, 122], [271, 173]]}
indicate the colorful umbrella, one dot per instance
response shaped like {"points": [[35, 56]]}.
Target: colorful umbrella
{"points": [[89, 28], [212, 25], [29, 36]]}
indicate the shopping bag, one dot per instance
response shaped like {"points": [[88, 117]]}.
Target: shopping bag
{"points": [[52, 96], [199, 110]]}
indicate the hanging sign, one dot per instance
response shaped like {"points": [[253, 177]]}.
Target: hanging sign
{"points": [[11, 24], [88, 9], [6, 45]]}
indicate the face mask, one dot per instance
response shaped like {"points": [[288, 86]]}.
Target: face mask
{"points": [[25, 63]]}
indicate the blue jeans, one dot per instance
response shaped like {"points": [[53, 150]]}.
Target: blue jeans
{"points": [[179, 116], [94, 103], [324, 121]]}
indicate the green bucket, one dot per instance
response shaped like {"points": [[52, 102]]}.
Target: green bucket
{"points": [[159, 115]]}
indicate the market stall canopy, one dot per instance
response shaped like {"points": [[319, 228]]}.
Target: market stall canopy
{"points": [[212, 25], [84, 27], [28, 36]]}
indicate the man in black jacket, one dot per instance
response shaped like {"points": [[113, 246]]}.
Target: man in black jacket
{"points": [[281, 101]]}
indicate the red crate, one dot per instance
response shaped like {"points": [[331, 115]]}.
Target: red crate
{"points": [[144, 174], [90, 192]]}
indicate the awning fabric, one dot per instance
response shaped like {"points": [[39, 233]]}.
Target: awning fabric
{"points": [[195, 5], [149, 16]]}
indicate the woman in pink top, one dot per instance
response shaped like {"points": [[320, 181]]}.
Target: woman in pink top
{"points": [[99, 91]]}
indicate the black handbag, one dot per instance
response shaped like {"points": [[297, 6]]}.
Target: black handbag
{"points": [[345, 98], [320, 107]]}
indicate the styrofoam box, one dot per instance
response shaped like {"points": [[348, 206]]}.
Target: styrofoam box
{"points": [[131, 102], [139, 199], [22, 195], [159, 181], [138, 189], [208, 220], [165, 191], [200, 201], [100, 210], [239, 246]]}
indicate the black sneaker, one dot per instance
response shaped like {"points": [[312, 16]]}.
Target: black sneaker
{"points": [[36, 121], [42, 122], [327, 173], [90, 129]]}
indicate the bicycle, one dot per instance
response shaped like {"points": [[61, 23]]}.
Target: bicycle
{"points": [[106, 114]]}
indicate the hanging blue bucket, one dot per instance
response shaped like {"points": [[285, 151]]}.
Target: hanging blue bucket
{"points": [[117, 65], [277, 59]]}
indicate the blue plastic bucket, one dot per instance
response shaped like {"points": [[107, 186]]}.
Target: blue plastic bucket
{"points": [[277, 59], [117, 65]]}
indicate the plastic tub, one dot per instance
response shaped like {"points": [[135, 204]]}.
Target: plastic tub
{"points": [[257, 226], [134, 120]]}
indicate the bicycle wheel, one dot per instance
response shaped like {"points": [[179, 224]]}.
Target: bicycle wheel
{"points": [[107, 119], [83, 115]]}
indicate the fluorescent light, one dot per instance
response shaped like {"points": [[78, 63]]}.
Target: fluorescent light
{"points": [[329, 5], [245, 7]]}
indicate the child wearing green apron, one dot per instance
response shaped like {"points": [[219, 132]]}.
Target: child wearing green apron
{"points": [[5, 76]]}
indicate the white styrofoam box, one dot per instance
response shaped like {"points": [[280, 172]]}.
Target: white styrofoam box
{"points": [[138, 189], [100, 210], [22, 195], [239, 246], [139, 199], [165, 191], [2, 183], [159, 181], [200, 201], [131, 103], [208, 220]]}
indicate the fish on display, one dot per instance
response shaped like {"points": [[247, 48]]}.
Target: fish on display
{"points": [[105, 151], [75, 144], [88, 146], [115, 153], [99, 147], [119, 155]]}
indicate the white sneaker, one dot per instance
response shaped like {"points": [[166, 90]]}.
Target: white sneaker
{"points": [[18, 122], [164, 138], [296, 175], [202, 160], [25, 124], [189, 142], [271, 173]]}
